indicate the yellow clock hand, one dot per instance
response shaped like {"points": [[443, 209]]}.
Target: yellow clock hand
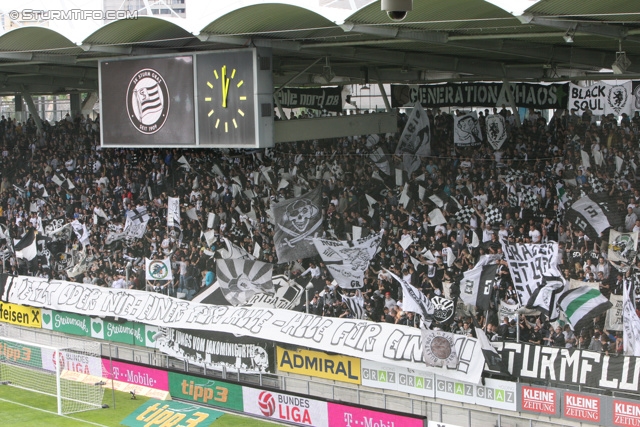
{"points": [[225, 86]]}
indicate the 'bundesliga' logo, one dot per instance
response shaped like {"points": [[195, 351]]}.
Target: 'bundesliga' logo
{"points": [[147, 101]]}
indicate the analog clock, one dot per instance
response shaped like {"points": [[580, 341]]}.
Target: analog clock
{"points": [[226, 99], [226, 113]]}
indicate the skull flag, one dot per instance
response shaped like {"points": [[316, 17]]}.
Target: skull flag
{"points": [[298, 221]]}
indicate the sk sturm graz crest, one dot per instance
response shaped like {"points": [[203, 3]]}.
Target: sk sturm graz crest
{"points": [[617, 98], [147, 101]]}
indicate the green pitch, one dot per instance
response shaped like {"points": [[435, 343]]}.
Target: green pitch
{"points": [[17, 409]]}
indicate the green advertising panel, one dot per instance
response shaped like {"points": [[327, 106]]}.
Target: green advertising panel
{"points": [[125, 332], [206, 390], [69, 323], [21, 354], [167, 413]]}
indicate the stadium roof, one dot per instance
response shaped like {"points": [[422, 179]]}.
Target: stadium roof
{"points": [[440, 40]]}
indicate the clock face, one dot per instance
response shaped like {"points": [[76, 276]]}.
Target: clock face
{"points": [[226, 99], [226, 83]]}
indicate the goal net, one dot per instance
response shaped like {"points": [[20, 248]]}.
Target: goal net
{"points": [[65, 372]]}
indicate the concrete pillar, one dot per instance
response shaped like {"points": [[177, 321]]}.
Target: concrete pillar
{"points": [[33, 110], [74, 103], [18, 107], [88, 103]]}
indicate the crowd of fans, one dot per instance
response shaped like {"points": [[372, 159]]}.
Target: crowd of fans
{"points": [[538, 154]]}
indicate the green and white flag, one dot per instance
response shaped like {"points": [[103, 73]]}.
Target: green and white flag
{"points": [[582, 304]]}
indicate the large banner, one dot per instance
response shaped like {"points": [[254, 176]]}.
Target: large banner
{"points": [[572, 366], [217, 350], [324, 98], [478, 94], [602, 98], [382, 342], [528, 263]]}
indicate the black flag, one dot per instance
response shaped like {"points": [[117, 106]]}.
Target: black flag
{"points": [[298, 221]]}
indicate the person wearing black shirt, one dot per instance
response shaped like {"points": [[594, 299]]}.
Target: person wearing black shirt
{"points": [[535, 337]]}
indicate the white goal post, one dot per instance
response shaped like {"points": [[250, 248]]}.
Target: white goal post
{"points": [[53, 370]]}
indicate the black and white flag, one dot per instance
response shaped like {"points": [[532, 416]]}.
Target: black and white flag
{"points": [[58, 230], [355, 305], [466, 130], [173, 218], [415, 140], [241, 279], [631, 322], [136, 223], [493, 214], [346, 276], [352, 258], [81, 231], [444, 309], [496, 130], [234, 251], [413, 299], [545, 297], [491, 355], [298, 221], [477, 284], [286, 294], [593, 216], [26, 247], [381, 161]]}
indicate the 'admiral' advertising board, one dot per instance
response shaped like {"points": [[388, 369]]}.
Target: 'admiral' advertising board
{"points": [[319, 364]]}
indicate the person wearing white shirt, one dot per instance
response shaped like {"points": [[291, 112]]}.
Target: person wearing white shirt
{"points": [[119, 283], [487, 233], [630, 219], [503, 233], [313, 270], [534, 234]]}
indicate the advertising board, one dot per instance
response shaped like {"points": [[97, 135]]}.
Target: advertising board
{"points": [[319, 364]]}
